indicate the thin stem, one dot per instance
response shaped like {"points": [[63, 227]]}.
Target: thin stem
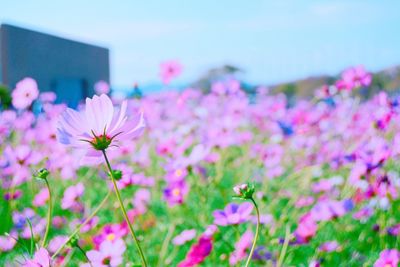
{"points": [[284, 247], [256, 236], [123, 210], [165, 243], [84, 254], [50, 208], [83, 224]]}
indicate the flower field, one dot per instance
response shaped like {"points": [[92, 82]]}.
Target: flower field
{"points": [[202, 179]]}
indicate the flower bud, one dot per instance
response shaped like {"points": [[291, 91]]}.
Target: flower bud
{"points": [[42, 174], [73, 242], [244, 191]]}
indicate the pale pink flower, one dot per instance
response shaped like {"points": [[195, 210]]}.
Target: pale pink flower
{"points": [[184, 237], [101, 87], [40, 259], [25, 93], [41, 198], [98, 127], [7, 242], [71, 196], [170, 70], [109, 254], [240, 248]]}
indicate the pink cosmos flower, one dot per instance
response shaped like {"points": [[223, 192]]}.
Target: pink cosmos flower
{"points": [[233, 214], [170, 70], [41, 198], [109, 254], [25, 93], [184, 237], [71, 195], [98, 127], [175, 192], [101, 87], [111, 233], [7, 242], [197, 252], [353, 78], [388, 258], [241, 246], [40, 259], [307, 228]]}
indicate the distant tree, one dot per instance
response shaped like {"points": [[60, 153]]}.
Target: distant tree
{"points": [[216, 74], [5, 97]]}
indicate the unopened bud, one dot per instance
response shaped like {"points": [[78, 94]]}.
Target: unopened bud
{"points": [[42, 174]]}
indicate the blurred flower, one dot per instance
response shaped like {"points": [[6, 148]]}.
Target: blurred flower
{"points": [[98, 127], [71, 195], [25, 92], [7, 243], [184, 237], [101, 87], [109, 254], [197, 252], [388, 258], [233, 214], [40, 259], [175, 192], [307, 228], [354, 77], [41, 197], [240, 248], [170, 70]]}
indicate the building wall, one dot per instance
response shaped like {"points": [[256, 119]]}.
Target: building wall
{"points": [[52, 61]]}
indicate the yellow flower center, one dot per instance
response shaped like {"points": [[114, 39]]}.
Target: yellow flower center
{"points": [[178, 172], [176, 192], [110, 237]]}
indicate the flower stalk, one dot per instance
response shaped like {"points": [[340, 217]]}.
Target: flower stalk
{"points": [[144, 263], [49, 212], [75, 232], [257, 232]]}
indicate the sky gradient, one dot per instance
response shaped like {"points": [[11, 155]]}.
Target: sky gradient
{"points": [[273, 41]]}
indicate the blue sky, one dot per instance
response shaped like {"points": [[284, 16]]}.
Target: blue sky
{"points": [[272, 41]]}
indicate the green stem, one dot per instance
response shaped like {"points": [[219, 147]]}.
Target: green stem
{"points": [[84, 254], [284, 247], [164, 246], [256, 236], [50, 208], [83, 224], [123, 210]]}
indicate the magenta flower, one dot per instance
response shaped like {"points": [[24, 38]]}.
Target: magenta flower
{"points": [[184, 237], [307, 228], [40, 259], [388, 258], [98, 127], [25, 93], [111, 233], [198, 252], [109, 254], [233, 214], [170, 70]]}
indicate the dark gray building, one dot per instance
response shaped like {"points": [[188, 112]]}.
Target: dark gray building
{"points": [[68, 68]]}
